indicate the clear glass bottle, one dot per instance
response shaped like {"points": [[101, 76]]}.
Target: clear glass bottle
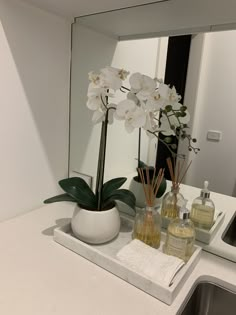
{"points": [[203, 209], [180, 236], [147, 226], [172, 201]]}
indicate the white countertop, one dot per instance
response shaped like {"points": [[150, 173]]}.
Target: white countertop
{"points": [[39, 276]]}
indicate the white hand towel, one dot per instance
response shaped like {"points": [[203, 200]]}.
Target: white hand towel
{"points": [[150, 262]]}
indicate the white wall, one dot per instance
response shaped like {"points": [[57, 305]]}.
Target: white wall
{"points": [[34, 84], [216, 110], [90, 51]]}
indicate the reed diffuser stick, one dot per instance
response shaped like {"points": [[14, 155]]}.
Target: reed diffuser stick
{"points": [[150, 187], [176, 176]]}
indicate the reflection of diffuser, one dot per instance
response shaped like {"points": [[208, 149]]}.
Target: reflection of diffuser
{"points": [[173, 200], [147, 225]]}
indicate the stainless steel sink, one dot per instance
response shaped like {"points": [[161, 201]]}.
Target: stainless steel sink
{"points": [[210, 299], [229, 236]]}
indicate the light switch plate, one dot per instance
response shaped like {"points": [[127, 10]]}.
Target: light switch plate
{"points": [[214, 135]]}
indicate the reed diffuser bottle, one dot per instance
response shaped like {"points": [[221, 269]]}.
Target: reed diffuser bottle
{"points": [[180, 236], [147, 223], [173, 200]]}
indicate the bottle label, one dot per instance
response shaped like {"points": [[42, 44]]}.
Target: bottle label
{"points": [[201, 214], [177, 246]]}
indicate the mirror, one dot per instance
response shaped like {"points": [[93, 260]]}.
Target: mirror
{"points": [[98, 41]]}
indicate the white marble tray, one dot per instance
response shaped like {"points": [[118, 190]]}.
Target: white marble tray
{"points": [[105, 257], [202, 235], [207, 236]]}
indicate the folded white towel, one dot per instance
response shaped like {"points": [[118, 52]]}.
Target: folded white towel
{"points": [[150, 262]]}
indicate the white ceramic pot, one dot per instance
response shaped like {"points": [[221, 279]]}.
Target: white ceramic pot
{"points": [[95, 227], [137, 189]]}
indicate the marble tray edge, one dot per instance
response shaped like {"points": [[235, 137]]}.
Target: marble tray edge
{"points": [[207, 236], [165, 294]]}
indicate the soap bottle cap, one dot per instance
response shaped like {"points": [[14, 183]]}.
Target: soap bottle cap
{"points": [[205, 193], [183, 211]]}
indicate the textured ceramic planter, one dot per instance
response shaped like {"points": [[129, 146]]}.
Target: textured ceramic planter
{"points": [[95, 227]]}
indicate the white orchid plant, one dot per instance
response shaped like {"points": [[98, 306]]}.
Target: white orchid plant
{"points": [[149, 104]]}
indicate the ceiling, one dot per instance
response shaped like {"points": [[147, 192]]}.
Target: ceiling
{"points": [[166, 18], [75, 8]]}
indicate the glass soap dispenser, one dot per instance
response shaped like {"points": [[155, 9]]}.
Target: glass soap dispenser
{"points": [[203, 209], [180, 236]]}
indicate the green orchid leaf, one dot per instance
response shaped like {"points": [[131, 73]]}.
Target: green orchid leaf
{"points": [[161, 189], [183, 114], [112, 185], [141, 164], [168, 108], [168, 140], [77, 188], [183, 108], [123, 195], [62, 197]]}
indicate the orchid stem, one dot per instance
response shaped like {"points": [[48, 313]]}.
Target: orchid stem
{"points": [[139, 145], [101, 162]]}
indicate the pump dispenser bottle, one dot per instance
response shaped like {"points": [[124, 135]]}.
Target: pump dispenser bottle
{"points": [[180, 236], [203, 209]]}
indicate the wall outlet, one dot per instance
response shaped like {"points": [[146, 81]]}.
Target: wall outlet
{"points": [[214, 135]]}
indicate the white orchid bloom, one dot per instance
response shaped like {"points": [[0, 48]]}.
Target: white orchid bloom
{"points": [[155, 102], [142, 85], [163, 90], [140, 103], [173, 96], [124, 107], [95, 95], [151, 123], [134, 116], [97, 102], [111, 78], [168, 94], [135, 119], [94, 79]]}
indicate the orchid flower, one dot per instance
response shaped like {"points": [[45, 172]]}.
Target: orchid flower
{"points": [[111, 78], [133, 115], [149, 104], [142, 85]]}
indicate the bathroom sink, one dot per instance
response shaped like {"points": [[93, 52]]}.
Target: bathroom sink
{"points": [[210, 299], [229, 236]]}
